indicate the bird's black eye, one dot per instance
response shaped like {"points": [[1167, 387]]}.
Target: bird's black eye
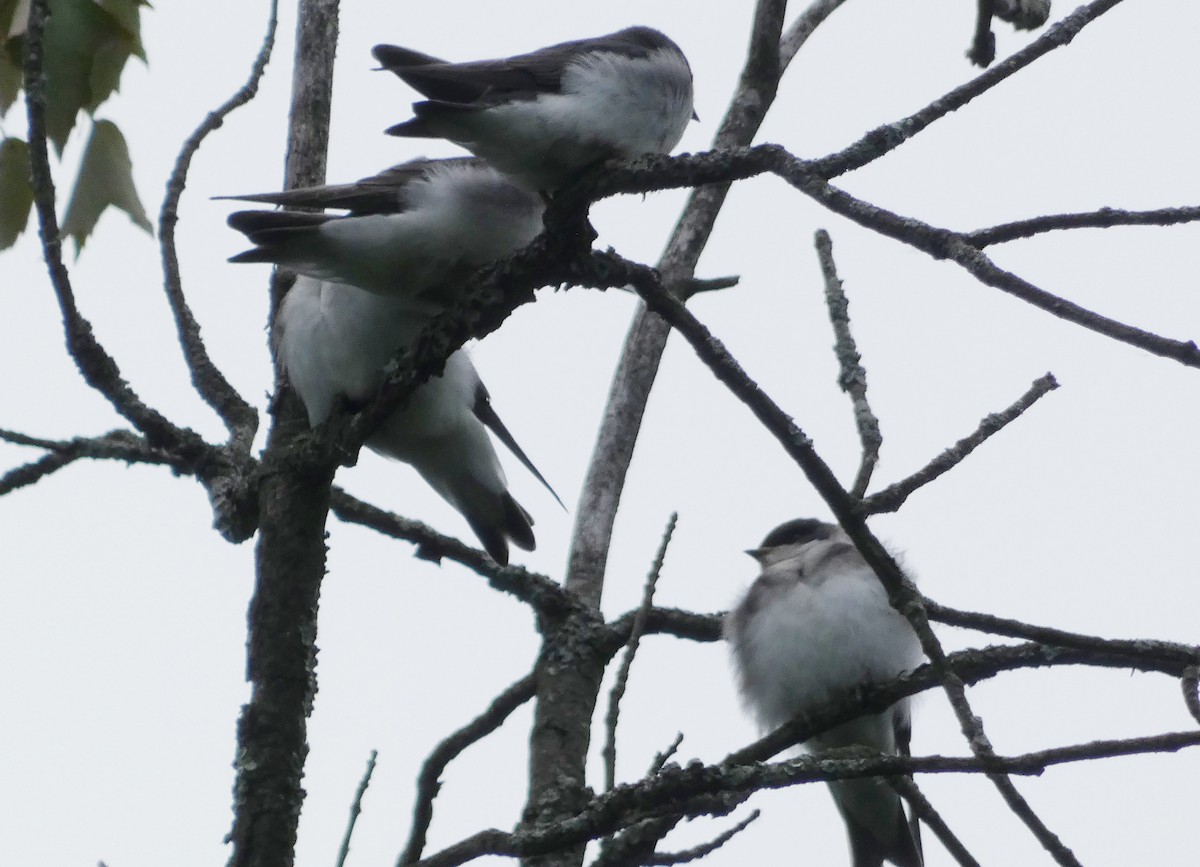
{"points": [[798, 532]]}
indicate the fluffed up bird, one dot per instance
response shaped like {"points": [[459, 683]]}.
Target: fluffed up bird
{"points": [[414, 232], [334, 341], [815, 624], [545, 116]]}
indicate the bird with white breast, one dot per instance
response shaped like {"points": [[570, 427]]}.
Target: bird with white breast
{"points": [[816, 624]]}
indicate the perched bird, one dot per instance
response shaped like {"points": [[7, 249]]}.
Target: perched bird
{"points": [[334, 340], [543, 117], [815, 624], [414, 232]]}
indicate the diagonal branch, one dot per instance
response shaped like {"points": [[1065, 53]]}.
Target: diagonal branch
{"points": [[428, 783], [537, 591], [239, 417], [886, 138], [893, 497], [925, 811]]}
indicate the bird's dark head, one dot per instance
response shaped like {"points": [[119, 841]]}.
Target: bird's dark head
{"points": [[799, 531]]}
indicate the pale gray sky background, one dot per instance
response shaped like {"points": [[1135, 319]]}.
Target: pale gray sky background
{"points": [[122, 614]]}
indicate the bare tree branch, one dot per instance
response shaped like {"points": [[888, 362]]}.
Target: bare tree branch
{"points": [[539, 592], [715, 790], [945, 244], [609, 753], [924, 811], [293, 504], [893, 497], [356, 809], [1102, 219], [888, 137], [117, 445], [704, 849], [852, 377], [428, 781], [803, 27], [241, 419], [98, 368]]}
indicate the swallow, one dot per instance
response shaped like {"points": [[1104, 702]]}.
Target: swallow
{"points": [[413, 232], [546, 116], [816, 624], [334, 340]]}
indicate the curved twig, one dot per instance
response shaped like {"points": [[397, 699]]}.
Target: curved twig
{"points": [[428, 783], [241, 420]]}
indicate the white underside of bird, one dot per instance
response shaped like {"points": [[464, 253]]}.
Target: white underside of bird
{"points": [[813, 627], [334, 341]]}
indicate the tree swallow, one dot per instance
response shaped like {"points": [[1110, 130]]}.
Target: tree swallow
{"points": [[413, 232], [545, 116], [334, 340], [814, 625]]}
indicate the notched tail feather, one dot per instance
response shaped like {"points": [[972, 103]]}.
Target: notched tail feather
{"points": [[269, 230], [487, 414]]}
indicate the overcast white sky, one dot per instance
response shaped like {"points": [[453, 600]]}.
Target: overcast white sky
{"points": [[122, 614]]}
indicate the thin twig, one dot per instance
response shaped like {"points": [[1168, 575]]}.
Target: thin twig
{"points": [[661, 759], [925, 811], [612, 717], [892, 497], [239, 417], [356, 809], [1102, 219], [888, 137], [852, 376], [704, 849], [428, 781], [537, 591], [118, 445]]}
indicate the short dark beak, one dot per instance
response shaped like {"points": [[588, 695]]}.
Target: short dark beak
{"points": [[694, 115]]}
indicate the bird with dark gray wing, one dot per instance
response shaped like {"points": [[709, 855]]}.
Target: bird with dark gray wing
{"points": [[334, 340], [545, 116], [413, 232], [814, 625]]}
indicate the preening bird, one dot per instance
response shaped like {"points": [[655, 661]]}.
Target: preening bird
{"points": [[413, 232], [544, 116], [334, 340], [815, 624]]}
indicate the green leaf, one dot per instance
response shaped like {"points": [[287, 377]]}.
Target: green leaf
{"points": [[105, 178], [10, 81], [8, 9], [86, 47], [127, 13], [16, 195]]}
